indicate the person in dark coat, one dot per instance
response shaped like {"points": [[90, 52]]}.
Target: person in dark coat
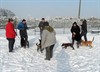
{"points": [[84, 29], [75, 30], [10, 34], [41, 25], [23, 33]]}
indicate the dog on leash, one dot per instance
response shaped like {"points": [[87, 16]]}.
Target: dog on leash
{"points": [[87, 43], [39, 46], [65, 45]]}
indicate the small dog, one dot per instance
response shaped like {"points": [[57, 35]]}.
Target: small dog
{"points": [[65, 45], [39, 46], [87, 43], [24, 43]]}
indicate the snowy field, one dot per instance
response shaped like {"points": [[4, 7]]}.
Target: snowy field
{"points": [[83, 59]]}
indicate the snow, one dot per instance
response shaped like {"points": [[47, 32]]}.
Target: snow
{"points": [[83, 59]]}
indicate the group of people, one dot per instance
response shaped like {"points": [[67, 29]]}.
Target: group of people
{"points": [[11, 33], [47, 35], [77, 33]]}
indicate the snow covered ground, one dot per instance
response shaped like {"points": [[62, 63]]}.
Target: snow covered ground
{"points": [[83, 59]]}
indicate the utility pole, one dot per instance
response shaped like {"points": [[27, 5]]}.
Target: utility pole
{"points": [[79, 9]]}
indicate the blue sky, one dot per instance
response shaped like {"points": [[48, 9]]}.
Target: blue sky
{"points": [[42, 8]]}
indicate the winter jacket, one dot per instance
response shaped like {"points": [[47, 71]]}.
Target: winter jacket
{"points": [[48, 37], [77, 31], [10, 32], [22, 27], [84, 26], [42, 24]]}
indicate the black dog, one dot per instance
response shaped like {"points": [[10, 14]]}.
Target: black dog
{"points": [[39, 46], [65, 45], [24, 43]]}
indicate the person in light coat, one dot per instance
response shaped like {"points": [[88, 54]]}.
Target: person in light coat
{"points": [[48, 41]]}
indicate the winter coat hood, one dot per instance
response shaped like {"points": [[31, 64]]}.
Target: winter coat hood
{"points": [[49, 28]]}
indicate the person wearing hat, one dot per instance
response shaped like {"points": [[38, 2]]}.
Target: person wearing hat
{"points": [[22, 26], [10, 34]]}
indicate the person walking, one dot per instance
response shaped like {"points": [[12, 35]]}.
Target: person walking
{"points": [[48, 41], [10, 34], [84, 29], [22, 27], [75, 30]]}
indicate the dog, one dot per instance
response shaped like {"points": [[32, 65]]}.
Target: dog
{"points": [[87, 43], [39, 46], [24, 43], [65, 45]]}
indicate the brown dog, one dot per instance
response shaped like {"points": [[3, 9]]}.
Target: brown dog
{"points": [[87, 43], [65, 45]]}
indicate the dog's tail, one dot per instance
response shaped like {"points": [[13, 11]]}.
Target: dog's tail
{"points": [[93, 39]]}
